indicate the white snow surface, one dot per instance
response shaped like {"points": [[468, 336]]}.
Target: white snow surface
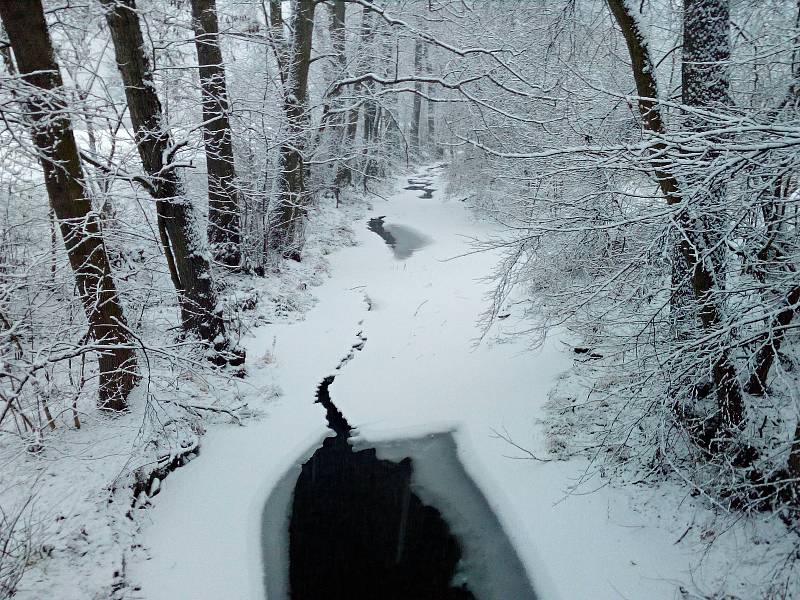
{"points": [[420, 371]]}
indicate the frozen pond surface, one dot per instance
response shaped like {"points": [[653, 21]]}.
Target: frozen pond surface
{"points": [[403, 240]]}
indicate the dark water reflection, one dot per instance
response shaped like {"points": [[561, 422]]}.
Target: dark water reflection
{"points": [[358, 532], [403, 240], [395, 521]]}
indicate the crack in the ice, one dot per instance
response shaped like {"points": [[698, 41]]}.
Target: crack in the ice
{"points": [[336, 420]]}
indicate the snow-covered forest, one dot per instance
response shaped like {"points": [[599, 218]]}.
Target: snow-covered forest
{"points": [[400, 299]]}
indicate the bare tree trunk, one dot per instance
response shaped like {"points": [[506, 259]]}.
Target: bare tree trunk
{"points": [[371, 109], [181, 234], [287, 228], [773, 215], [223, 196], [340, 124], [417, 112], [647, 90], [794, 460], [431, 106], [332, 119], [345, 174], [277, 38], [704, 74], [80, 226], [772, 341]]}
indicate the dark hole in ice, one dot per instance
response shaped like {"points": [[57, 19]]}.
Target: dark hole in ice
{"points": [[422, 185], [358, 532], [396, 521], [403, 241]]}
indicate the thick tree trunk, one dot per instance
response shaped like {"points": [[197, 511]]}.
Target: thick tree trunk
{"points": [[287, 227], [704, 75], [80, 226], [644, 76], [181, 235], [223, 195]]}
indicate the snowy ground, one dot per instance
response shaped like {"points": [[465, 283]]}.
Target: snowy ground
{"points": [[420, 371]]}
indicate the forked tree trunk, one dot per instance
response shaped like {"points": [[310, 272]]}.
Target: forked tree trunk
{"points": [[181, 234], [223, 196], [80, 227], [287, 228], [696, 274]]}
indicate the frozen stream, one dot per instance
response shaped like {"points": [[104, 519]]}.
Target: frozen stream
{"points": [[420, 388]]}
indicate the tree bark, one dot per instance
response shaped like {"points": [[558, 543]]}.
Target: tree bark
{"points": [[431, 106], [345, 173], [181, 235], [794, 460], [277, 39], [772, 340], [287, 227], [340, 121], [80, 227], [417, 110], [223, 196], [704, 79], [371, 108], [644, 77]]}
